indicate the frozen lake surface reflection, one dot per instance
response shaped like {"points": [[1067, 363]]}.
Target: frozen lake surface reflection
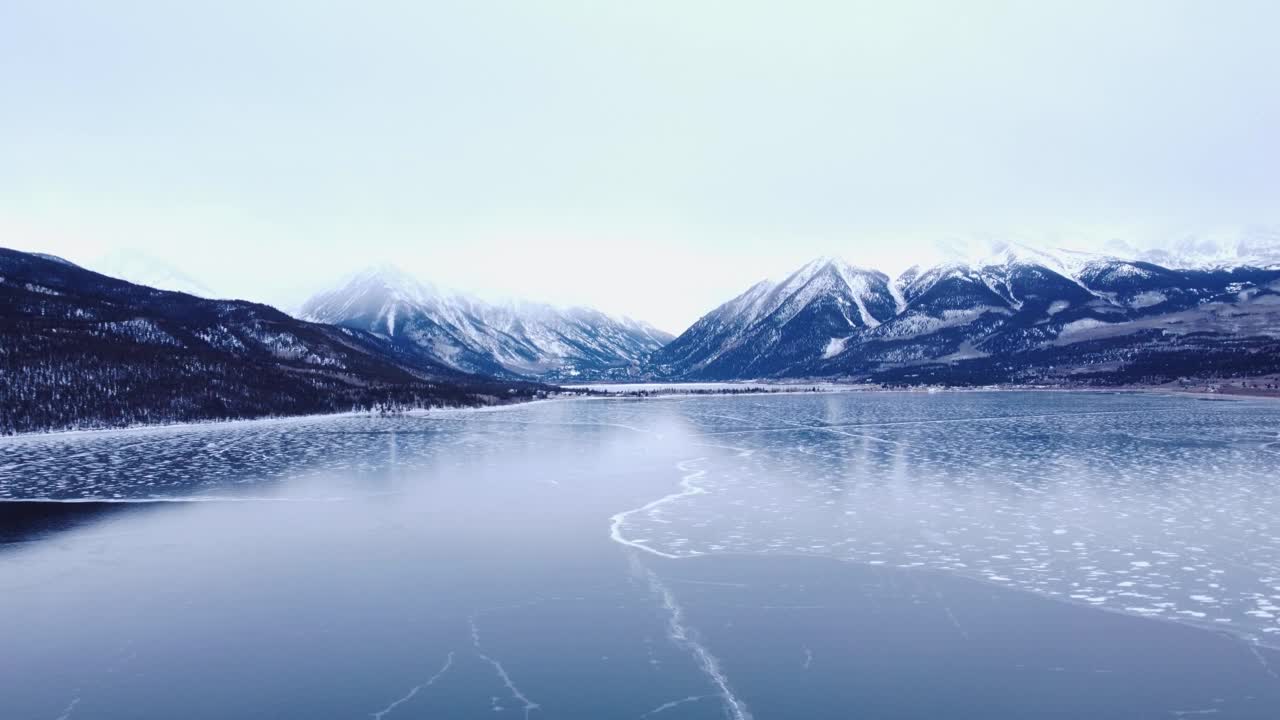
{"points": [[967, 555]]}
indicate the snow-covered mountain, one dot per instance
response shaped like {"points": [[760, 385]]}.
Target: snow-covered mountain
{"points": [[1019, 314], [518, 338], [1214, 249], [1201, 249], [80, 349], [773, 326], [143, 269]]}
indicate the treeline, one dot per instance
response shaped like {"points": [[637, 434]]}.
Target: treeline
{"points": [[87, 389]]}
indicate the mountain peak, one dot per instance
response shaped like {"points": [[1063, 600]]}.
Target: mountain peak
{"points": [[394, 281], [388, 273], [1057, 311], [143, 269], [833, 262], [466, 333]]}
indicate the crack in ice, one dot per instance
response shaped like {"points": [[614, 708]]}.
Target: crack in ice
{"points": [[448, 663], [682, 635], [673, 704], [528, 705], [69, 709], [1262, 659], [687, 489]]}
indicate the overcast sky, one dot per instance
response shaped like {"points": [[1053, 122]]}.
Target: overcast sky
{"points": [[649, 158]]}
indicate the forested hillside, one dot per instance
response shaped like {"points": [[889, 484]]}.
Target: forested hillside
{"points": [[83, 350]]}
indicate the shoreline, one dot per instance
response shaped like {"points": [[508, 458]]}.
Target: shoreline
{"points": [[668, 391], [220, 422]]}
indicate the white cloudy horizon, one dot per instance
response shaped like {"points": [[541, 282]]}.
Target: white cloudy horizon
{"points": [[647, 159]]}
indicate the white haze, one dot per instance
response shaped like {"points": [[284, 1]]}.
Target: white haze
{"points": [[650, 159]]}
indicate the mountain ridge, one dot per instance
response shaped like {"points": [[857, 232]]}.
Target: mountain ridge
{"points": [[1020, 315], [82, 349], [79, 349], [511, 339]]}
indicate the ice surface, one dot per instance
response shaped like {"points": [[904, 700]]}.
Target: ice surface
{"points": [[1157, 506], [1149, 506], [1161, 507]]}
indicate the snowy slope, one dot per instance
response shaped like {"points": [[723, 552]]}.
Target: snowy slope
{"points": [[81, 349], [515, 338], [142, 269], [814, 310], [1220, 248], [1006, 312]]}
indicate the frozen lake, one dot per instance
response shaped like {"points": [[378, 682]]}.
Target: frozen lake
{"points": [[881, 555]]}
